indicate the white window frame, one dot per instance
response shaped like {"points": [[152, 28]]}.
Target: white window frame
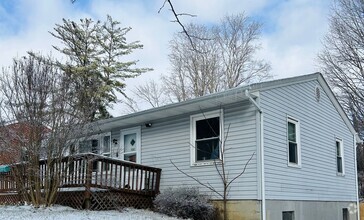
{"points": [[298, 141], [100, 138], [341, 142], [137, 152], [202, 116]]}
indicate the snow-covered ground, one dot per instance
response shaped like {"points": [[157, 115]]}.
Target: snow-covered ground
{"points": [[61, 212]]}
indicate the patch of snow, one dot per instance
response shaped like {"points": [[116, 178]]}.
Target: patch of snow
{"points": [[63, 212]]}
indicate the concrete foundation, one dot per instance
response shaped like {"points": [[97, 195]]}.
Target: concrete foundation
{"points": [[239, 209], [303, 210], [311, 210]]}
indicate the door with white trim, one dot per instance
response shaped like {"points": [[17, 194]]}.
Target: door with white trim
{"points": [[130, 145]]}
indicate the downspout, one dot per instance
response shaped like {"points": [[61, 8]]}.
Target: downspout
{"points": [[263, 213], [356, 176]]}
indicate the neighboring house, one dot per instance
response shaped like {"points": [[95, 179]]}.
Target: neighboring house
{"points": [[304, 167], [14, 138]]}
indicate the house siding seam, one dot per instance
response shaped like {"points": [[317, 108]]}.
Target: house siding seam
{"points": [[171, 138], [320, 125]]}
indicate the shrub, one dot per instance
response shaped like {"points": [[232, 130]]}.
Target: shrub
{"points": [[184, 202]]}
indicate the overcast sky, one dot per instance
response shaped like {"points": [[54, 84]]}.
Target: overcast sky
{"points": [[291, 34]]}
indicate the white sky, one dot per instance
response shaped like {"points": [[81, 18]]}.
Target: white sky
{"points": [[291, 35]]}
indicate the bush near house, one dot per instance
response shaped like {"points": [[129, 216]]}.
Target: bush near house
{"points": [[185, 202]]}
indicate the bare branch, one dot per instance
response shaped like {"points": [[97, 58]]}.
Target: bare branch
{"points": [[198, 181], [160, 9], [176, 16], [186, 14], [151, 93], [243, 171]]}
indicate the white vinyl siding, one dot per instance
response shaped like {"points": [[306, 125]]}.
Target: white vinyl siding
{"points": [[169, 140], [317, 178]]}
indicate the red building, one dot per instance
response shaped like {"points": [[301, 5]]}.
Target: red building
{"points": [[15, 140]]}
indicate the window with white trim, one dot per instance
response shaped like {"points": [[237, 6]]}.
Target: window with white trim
{"points": [[293, 142], [339, 156], [97, 144], [206, 133]]}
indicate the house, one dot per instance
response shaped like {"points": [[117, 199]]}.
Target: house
{"points": [[303, 147], [14, 139]]}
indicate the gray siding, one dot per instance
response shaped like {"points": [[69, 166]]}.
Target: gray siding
{"points": [[169, 140], [320, 124]]}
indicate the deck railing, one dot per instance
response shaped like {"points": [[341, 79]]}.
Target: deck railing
{"points": [[89, 171]]}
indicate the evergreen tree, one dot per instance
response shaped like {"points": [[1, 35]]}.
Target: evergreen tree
{"points": [[93, 51]]}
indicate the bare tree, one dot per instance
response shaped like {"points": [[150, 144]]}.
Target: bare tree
{"points": [[151, 93], [221, 169], [225, 60], [342, 62], [147, 95], [342, 57], [222, 57], [236, 36], [193, 73], [41, 120], [131, 106]]}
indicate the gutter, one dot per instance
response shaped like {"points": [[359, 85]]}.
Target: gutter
{"points": [[263, 213]]}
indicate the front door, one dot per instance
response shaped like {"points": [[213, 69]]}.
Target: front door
{"points": [[130, 145]]}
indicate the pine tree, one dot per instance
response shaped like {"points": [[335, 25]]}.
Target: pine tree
{"points": [[93, 51]]}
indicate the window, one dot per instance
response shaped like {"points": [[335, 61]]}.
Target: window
{"points": [[24, 154], [106, 146], [288, 215], [97, 144], [72, 149], [206, 130], [339, 156], [345, 214], [294, 148]]}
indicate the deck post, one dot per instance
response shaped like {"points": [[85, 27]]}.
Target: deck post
{"points": [[88, 183], [157, 182]]}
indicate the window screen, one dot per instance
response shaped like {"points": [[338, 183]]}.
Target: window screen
{"points": [[207, 138], [339, 159], [292, 143]]}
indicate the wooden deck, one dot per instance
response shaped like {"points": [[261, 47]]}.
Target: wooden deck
{"points": [[93, 182]]}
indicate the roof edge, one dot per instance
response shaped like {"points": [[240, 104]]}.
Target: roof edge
{"points": [[336, 103], [255, 87]]}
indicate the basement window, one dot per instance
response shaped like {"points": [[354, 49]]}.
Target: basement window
{"points": [[345, 214], [288, 215]]}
